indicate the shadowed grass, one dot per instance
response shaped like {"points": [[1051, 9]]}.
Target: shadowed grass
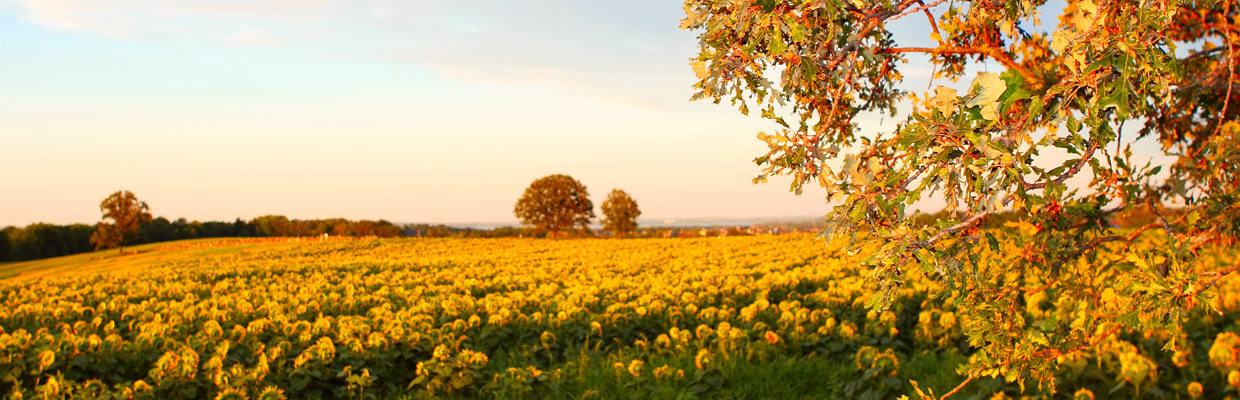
{"points": [[596, 375], [135, 258]]}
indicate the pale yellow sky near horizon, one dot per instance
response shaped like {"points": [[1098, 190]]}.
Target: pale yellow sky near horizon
{"points": [[410, 111]]}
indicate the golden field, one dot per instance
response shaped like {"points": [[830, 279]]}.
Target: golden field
{"points": [[736, 317]]}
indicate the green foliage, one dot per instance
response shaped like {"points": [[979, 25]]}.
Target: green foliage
{"points": [[448, 373], [620, 213], [279, 225], [443, 231], [127, 215], [811, 66], [876, 375], [4, 244], [41, 241], [36, 241], [555, 203], [272, 225], [161, 229]]}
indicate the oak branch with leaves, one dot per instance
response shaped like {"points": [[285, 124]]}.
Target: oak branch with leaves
{"points": [[812, 66]]}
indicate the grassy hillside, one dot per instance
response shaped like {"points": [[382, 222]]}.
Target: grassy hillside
{"points": [[138, 258]]}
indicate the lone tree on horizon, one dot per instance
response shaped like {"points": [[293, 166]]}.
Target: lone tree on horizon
{"points": [[127, 214], [620, 213], [555, 203], [1166, 68]]}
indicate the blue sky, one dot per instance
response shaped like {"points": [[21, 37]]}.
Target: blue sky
{"points": [[407, 110]]}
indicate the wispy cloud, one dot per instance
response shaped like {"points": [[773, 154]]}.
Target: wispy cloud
{"points": [[229, 22], [252, 37], [630, 52]]}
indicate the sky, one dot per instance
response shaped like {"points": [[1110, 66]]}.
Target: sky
{"points": [[405, 110]]}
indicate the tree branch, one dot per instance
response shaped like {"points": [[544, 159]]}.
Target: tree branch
{"points": [[1203, 53], [924, 7], [934, 26], [1220, 274], [1080, 163], [969, 222], [1166, 227], [1082, 250], [994, 52], [1051, 353], [957, 389], [1231, 76]]}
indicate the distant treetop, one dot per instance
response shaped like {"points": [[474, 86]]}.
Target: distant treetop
{"points": [[127, 215], [620, 213], [555, 203]]}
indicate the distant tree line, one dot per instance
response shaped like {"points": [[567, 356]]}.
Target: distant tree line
{"points": [[444, 231], [278, 225], [41, 240]]}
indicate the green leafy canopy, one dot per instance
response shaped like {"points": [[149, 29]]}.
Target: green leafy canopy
{"points": [[812, 66], [620, 213], [555, 203]]}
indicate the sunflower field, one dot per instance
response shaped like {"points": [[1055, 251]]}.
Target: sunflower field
{"points": [[737, 317]]}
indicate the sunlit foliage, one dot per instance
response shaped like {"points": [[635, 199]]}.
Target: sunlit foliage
{"points": [[1168, 67], [620, 213]]}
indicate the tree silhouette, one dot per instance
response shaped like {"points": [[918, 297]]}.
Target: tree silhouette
{"points": [[127, 215], [555, 203], [4, 244], [620, 213]]}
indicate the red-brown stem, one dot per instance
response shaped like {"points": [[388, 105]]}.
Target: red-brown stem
{"points": [[1220, 274], [957, 389], [1080, 163], [1230, 68], [994, 52]]}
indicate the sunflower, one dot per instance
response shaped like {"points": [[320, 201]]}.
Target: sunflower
{"points": [[771, 337], [1194, 389], [636, 367], [703, 359]]}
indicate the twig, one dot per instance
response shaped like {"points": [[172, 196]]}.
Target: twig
{"points": [[973, 220], [1119, 139], [1137, 233], [1220, 275], [1230, 69], [1048, 284], [1057, 353], [1154, 209], [934, 26], [957, 389], [994, 52], [1199, 54], [1082, 250], [924, 7], [1118, 208], [1076, 168], [904, 184]]}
